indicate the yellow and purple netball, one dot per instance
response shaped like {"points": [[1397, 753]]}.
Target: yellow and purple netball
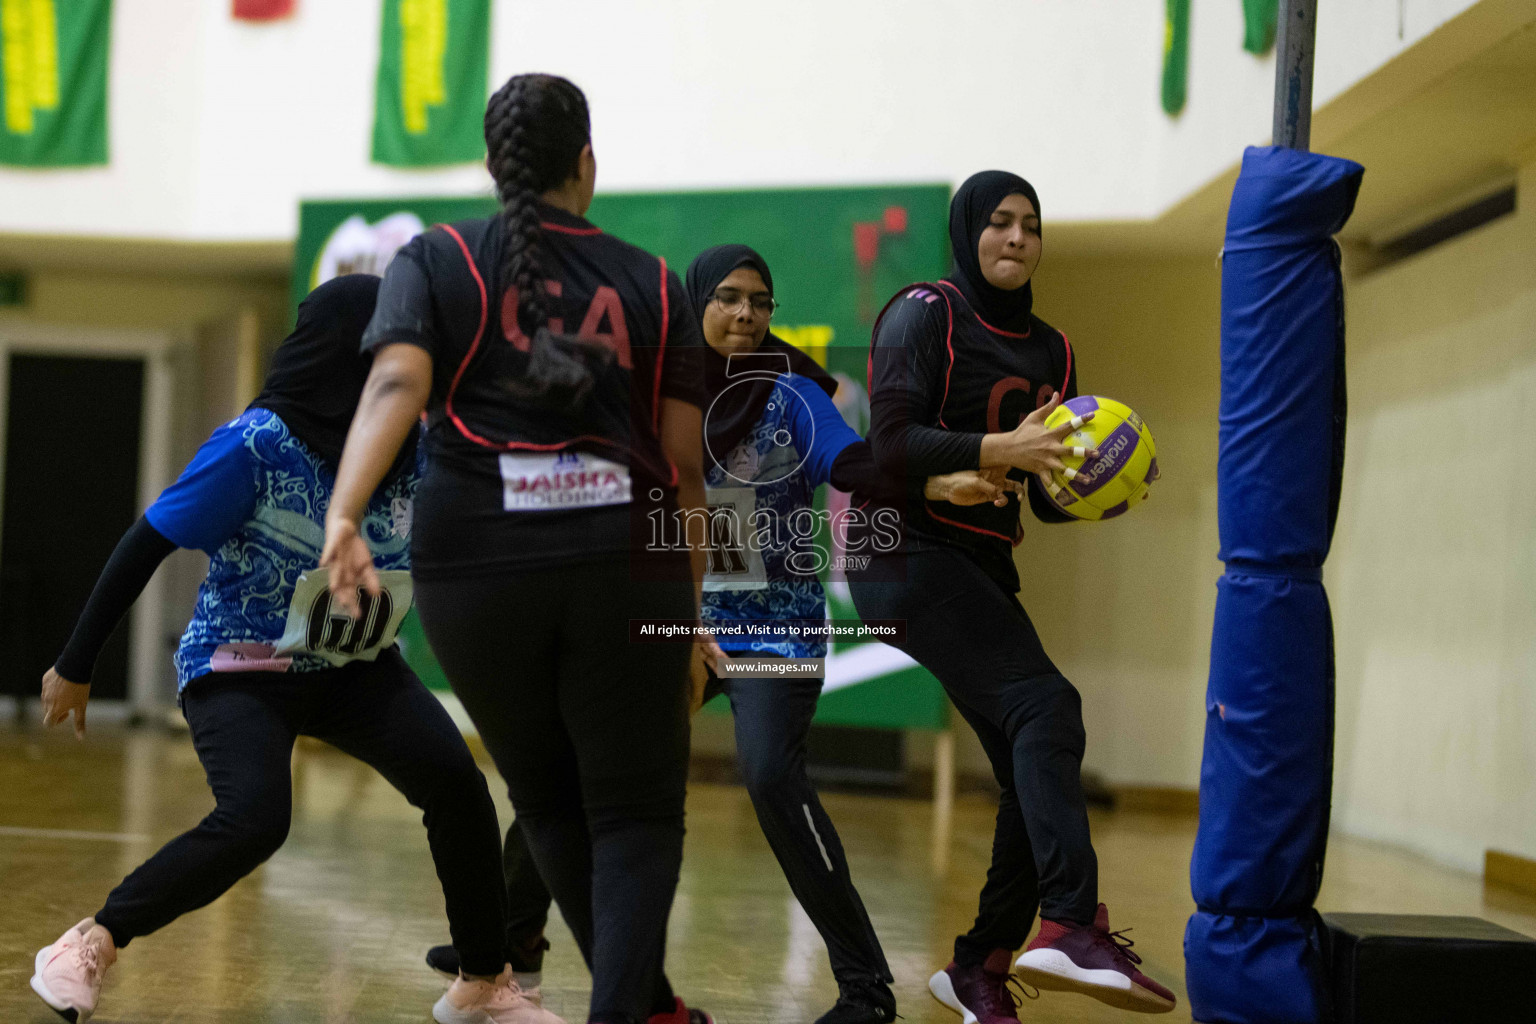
{"points": [[1120, 477]]}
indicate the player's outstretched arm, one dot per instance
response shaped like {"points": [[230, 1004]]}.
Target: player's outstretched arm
{"points": [[202, 509], [393, 399], [973, 487], [67, 685]]}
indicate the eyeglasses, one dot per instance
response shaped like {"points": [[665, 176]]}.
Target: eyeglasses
{"points": [[730, 300]]}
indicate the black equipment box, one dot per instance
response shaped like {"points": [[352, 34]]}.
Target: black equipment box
{"points": [[1411, 969]]}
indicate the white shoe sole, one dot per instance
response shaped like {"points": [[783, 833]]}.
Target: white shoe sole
{"points": [[1052, 970], [533, 994], [445, 1012], [56, 1004], [944, 991]]}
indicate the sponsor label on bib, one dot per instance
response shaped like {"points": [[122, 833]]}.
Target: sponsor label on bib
{"points": [[558, 480], [247, 657], [735, 556], [318, 627]]}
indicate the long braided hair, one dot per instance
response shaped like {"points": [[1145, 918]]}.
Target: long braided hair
{"points": [[535, 128]]}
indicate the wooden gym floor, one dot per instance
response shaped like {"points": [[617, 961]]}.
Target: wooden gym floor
{"points": [[334, 927]]}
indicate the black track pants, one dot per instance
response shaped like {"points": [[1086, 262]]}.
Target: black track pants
{"points": [[244, 725], [981, 646], [590, 732]]}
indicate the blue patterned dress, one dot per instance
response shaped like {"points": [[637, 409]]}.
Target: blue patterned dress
{"points": [[254, 498]]}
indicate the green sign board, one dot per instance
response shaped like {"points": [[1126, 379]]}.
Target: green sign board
{"points": [[13, 288], [837, 255]]}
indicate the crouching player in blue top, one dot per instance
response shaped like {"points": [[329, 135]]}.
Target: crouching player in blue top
{"points": [[267, 658]]}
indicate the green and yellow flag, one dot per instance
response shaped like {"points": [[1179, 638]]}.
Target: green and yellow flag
{"points": [[53, 82], [1175, 55], [430, 101]]}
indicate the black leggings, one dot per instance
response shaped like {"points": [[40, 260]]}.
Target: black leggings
{"points": [[590, 732], [528, 902], [773, 723], [979, 643], [244, 725]]}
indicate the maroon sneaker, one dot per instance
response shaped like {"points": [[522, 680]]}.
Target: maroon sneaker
{"points": [[980, 995], [681, 1014], [1092, 960]]}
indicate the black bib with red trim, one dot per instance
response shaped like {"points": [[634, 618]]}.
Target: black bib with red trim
{"points": [[602, 290], [983, 380], [512, 480]]}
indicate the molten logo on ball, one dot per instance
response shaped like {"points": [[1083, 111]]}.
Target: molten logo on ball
{"points": [[1125, 469]]}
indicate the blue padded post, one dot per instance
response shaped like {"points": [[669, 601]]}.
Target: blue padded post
{"points": [[1251, 950]]}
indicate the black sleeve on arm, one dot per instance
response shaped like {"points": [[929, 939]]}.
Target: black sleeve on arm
{"points": [[403, 312], [124, 578], [855, 471], [682, 369], [907, 378], [1040, 503]]}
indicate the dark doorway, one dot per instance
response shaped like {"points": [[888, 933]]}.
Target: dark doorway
{"points": [[71, 489]]}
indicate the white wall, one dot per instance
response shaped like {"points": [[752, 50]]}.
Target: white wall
{"points": [[1125, 607], [219, 128], [1433, 575], [1231, 92]]}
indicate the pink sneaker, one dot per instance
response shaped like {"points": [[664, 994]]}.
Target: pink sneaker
{"points": [[471, 1001], [1092, 960], [980, 995], [67, 975]]}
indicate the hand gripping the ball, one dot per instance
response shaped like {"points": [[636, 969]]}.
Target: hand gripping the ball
{"points": [[1033, 447]]}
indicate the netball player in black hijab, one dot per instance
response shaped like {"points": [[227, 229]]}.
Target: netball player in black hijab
{"points": [[739, 389], [962, 376], [772, 437], [737, 398], [315, 379], [249, 684]]}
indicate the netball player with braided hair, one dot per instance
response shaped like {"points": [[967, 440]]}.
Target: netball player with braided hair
{"points": [[962, 376], [266, 659], [558, 368]]}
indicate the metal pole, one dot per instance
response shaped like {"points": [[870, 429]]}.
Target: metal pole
{"points": [[1294, 41]]}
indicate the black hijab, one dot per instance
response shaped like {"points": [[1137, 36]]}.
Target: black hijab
{"points": [[317, 373], [734, 413], [969, 213]]}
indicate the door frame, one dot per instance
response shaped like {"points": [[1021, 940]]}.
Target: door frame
{"points": [[146, 645]]}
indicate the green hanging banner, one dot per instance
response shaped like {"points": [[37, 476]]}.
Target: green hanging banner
{"points": [[433, 64], [1175, 55], [1260, 18], [53, 82]]}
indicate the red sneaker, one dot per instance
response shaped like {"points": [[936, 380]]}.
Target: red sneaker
{"points": [[1092, 960], [980, 995], [680, 1014]]}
